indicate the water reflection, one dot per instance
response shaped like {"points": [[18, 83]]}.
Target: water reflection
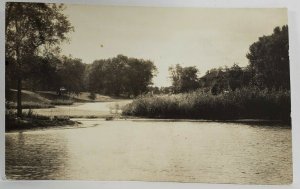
{"points": [[153, 151], [35, 155]]}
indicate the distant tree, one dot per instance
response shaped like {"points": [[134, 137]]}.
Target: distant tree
{"points": [[95, 76], [121, 75], [153, 90], [166, 90], [216, 89], [108, 76], [235, 77], [116, 75], [139, 75], [184, 79], [225, 79], [40, 73], [71, 74], [269, 59], [32, 28]]}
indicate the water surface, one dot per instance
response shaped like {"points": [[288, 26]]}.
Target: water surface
{"points": [[153, 151]]}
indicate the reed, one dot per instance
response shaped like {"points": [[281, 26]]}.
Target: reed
{"points": [[245, 103]]}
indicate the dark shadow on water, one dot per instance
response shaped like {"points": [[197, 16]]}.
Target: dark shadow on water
{"points": [[38, 157], [248, 122]]}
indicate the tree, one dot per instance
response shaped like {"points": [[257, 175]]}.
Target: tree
{"points": [[139, 74], [120, 75], [40, 73], [235, 76], [71, 74], [269, 59], [108, 76], [184, 79], [30, 29]]}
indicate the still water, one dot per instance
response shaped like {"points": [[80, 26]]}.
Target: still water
{"points": [[153, 151]]}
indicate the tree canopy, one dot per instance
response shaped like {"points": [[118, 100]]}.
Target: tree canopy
{"points": [[120, 75], [269, 58], [184, 79]]}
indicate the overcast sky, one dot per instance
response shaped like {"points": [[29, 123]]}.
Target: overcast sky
{"points": [[206, 38]]}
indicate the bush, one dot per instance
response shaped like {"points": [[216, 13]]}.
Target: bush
{"points": [[245, 103], [29, 120], [92, 96], [62, 102]]}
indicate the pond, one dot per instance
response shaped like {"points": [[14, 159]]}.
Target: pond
{"points": [[187, 151]]}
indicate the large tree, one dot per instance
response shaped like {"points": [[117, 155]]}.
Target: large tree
{"points": [[30, 29], [269, 58]]}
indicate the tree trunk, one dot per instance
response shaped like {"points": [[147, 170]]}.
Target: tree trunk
{"points": [[19, 97], [19, 84], [19, 72]]}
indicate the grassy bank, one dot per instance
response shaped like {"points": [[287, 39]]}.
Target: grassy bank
{"points": [[50, 99], [33, 121], [34, 100], [247, 103], [81, 97], [29, 105]]}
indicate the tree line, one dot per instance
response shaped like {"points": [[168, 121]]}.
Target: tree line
{"points": [[117, 76], [268, 68]]}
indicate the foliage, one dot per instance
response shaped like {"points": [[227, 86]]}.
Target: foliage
{"points": [[226, 79], [71, 74], [41, 73], [92, 96], [184, 79], [269, 58], [62, 102], [32, 121], [120, 75], [29, 105], [268, 68], [51, 73], [244, 103]]}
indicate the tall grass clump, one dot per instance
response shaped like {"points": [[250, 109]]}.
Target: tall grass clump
{"points": [[30, 120], [62, 102], [245, 103]]}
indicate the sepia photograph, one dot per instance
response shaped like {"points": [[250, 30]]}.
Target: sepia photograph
{"points": [[133, 93]]}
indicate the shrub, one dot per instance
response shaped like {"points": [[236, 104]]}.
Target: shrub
{"points": [[62, 102], [92, 96], [29, 120]]}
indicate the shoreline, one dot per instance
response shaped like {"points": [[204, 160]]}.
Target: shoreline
{"points": [[75, 122]]}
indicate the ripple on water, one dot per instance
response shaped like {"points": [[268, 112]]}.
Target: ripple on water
{"points": [[153, 151]]}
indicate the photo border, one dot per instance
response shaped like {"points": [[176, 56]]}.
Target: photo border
{"points": [[294, 44]]}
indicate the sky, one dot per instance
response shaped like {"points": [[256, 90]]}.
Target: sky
{"points": [[202, 37]]}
